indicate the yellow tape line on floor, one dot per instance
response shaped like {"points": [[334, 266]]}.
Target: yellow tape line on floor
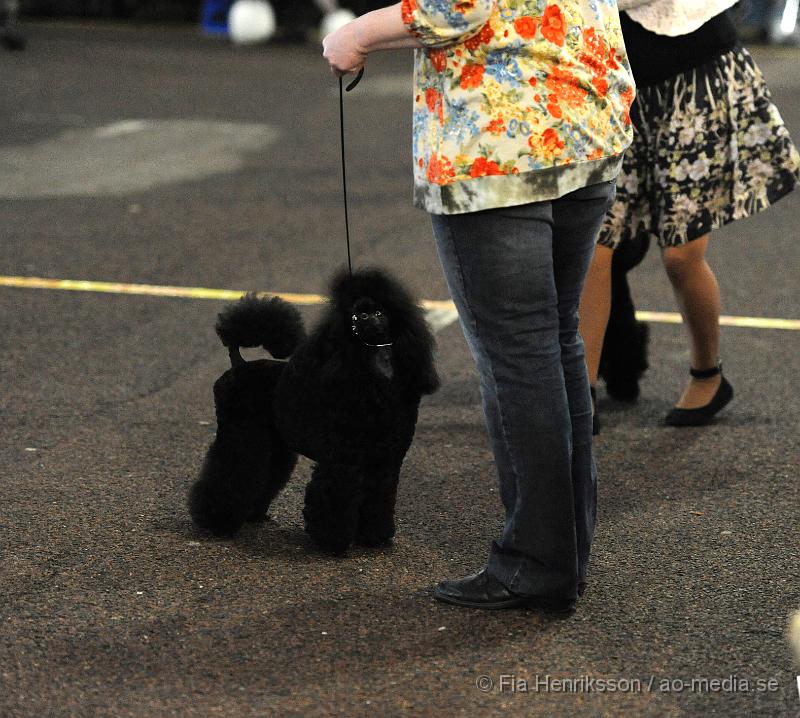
{"points": [[154, 290], [725, 321]]}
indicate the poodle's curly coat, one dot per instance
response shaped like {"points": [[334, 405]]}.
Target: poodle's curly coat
{"points": [[349, 406]]}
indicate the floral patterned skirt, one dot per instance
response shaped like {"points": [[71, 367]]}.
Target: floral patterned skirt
{"points": [[709, 147]]}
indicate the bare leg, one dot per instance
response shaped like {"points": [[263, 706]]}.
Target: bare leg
{"points": [[595, 308], [697, 293]]}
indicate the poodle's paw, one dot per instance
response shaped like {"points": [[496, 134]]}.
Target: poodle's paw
{"points": [[334, 548], [376, 525], [373, 533], [328, 541], [375, 541], [209, 511], [623, 388], [259, 517], [218, 529], [625, 364]]}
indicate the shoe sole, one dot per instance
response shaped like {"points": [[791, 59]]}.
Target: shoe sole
{"points": [[703, 415], [521, 602]]}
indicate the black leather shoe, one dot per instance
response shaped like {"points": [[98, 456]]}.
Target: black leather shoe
{"points": [[703, 415], [482, 590]]}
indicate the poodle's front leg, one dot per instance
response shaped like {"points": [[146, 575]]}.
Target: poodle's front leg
{"points": [[376, 516], [331, 507]]}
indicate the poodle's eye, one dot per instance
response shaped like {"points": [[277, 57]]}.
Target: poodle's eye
{"points": [[364, 315], [378, 313]]}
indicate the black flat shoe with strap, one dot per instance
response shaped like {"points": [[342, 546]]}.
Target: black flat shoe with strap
{"points": [[703, 415]]}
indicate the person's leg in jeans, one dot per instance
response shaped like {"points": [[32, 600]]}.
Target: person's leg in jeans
{"points": [[516, 276], [574, 216]]}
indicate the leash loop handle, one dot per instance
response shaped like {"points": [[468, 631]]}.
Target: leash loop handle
{"points": [[352, 85]]}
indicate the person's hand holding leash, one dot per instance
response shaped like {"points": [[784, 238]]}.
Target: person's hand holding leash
{"points": [[347, 48], [343, 51]]}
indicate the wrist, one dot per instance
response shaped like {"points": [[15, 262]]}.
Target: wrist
{"points": [[363, 34], [382, 29]]}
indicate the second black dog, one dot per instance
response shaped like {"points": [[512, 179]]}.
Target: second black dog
{"points": [[624, 357]]}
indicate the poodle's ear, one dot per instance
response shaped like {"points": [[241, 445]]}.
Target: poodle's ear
{"points": [[413, 352]]}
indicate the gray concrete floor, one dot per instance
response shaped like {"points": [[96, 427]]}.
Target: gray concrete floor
{"points": [[112, 605]]}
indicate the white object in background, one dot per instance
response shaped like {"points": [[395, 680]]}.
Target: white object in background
{"points": [[794, 639], [327, 6], [251, 22], [673, 17], [789, 17], [334, 20]]}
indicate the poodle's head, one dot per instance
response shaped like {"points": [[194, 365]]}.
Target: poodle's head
{"points": [[370, 323], [374, 309], [371, 304]]}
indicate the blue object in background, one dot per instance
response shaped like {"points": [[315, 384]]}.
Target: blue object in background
{"points": [[214, 17]]}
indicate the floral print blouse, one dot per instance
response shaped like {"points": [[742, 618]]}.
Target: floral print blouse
{"points": [[516, 101]]}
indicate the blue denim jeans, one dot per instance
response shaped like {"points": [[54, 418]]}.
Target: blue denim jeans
{"points": [[516, 276]]}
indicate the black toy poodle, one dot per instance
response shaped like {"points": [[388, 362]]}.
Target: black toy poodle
{"points": [[347, 398]]}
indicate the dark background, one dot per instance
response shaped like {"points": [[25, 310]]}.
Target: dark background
{"points": [[151, 10], [750, 16], [173, 10]]}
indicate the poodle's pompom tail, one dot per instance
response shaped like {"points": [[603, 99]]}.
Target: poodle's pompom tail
{"points": [[255, 321]]}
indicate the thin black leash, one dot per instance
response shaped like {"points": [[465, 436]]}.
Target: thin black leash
{"points": [[344, 188], [344, 164]]}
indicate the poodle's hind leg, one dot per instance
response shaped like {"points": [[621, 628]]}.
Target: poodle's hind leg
{"points": [[376, 526], [248, 464], [231, 487], [331, 505], [281, 465]]}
